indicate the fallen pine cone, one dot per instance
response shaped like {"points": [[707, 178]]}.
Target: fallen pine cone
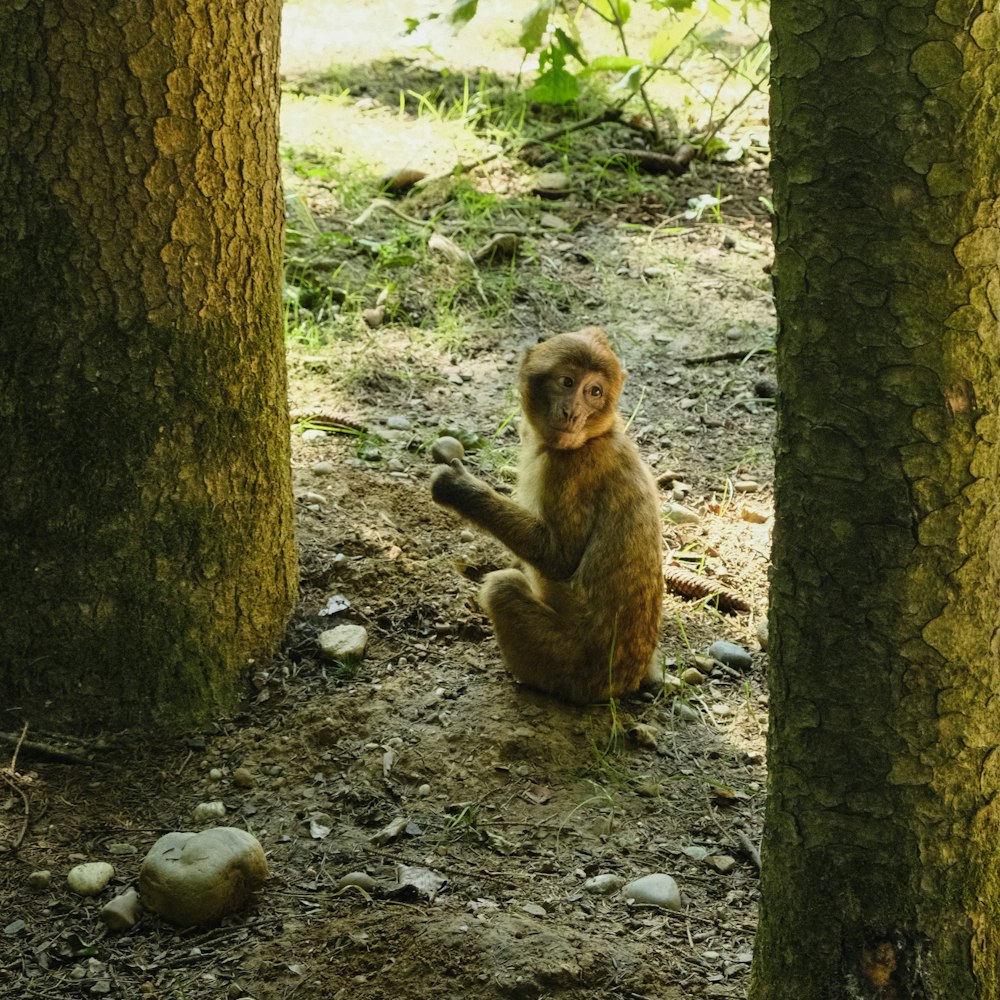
{"points": [[326, 422], [690, 585]]}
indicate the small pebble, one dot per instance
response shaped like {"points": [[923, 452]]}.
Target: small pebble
{"points": [[343, 643], [603, 885], [205, 811], [122, 912], [398, 422], [242, 778], [746, 486], [360, 879], [695, 853], [323, 468], [39, 881], [90, 878], [722, 863], [657, 889], [678, 514], [313, 434], [444, 449], [762, 633], [685, 712], [730, 654], [423, 791], [215, 774], [121, 850], [535, 910], [693, 676]]}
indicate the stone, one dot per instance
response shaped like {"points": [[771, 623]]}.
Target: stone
{"points": [[361, 880], [90, 878], [205, 811], [603, 885], [693, 676], [322, 468], [446, 448], [398, 422], [343, 643], [122, 912], [678, 514], [657, 889], [40, 881], [730, 654], [313, 435], [194, 879], [242, 778]]}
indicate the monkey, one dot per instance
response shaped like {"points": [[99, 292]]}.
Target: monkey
{"points": [[578, 615]]}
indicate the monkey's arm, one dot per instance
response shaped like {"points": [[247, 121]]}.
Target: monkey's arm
{"points": [[526, 535]]}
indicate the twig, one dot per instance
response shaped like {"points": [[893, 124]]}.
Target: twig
{"points": [[9, 775], [44, 751], [389, 207], [748, 845]]}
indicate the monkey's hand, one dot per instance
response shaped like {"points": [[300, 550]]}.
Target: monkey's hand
{"points": [[453, 485]]}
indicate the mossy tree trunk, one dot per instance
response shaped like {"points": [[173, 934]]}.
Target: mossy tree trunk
{"points": [[881, 864], [145, 505]]}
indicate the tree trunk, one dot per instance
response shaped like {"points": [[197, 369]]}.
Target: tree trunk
{"points": [[145, 505], [881, 870]]}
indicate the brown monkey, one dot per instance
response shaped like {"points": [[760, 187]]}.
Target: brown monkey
{"points": [[580, 617]]}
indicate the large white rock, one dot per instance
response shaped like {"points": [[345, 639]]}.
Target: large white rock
{"points": [[199, 878]]}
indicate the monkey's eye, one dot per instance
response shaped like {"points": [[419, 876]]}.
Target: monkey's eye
{"points": [[566, 381], [596, 390]]}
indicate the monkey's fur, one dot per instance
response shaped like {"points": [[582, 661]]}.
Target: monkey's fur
{"points": [[580, 615]]}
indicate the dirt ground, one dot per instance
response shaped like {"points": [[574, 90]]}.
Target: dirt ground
{"points": [[479, 809]]}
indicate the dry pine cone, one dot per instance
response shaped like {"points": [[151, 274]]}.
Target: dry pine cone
{"points": [[687, 584]]}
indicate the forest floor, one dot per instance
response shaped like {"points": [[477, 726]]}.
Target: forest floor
{"points": [[478, 809]]}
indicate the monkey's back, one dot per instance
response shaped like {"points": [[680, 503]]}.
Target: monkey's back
{"points": [[602, 505]]}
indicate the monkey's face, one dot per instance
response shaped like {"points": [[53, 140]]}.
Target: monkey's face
{"points": [[569, 388]]}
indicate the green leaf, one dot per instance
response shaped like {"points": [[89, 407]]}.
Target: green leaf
{"points": [[667, 39], [462, 12], [569, 46], [632, 80], [554, 86], [671, 4], [533, 25], [616, 11], [613, 64]]}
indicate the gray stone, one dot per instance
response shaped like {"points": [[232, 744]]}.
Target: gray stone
{"points": [[194, 879], [603, 885], [730, 654], [657, 889], [122, 912], [398, 422]]}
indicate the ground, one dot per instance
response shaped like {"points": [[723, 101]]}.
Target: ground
{"points": [[479, 809]]}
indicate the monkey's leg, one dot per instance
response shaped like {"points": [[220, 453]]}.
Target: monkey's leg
{"points": [[541, 648]]}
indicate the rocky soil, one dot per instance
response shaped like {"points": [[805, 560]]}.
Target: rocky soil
{"points": [[431, 829]]}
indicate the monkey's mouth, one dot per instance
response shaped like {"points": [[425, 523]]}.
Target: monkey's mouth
{"points": [[566, 437]]}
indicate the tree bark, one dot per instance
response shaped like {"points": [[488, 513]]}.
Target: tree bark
{"points": [[145, 503], [881, 874]]}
